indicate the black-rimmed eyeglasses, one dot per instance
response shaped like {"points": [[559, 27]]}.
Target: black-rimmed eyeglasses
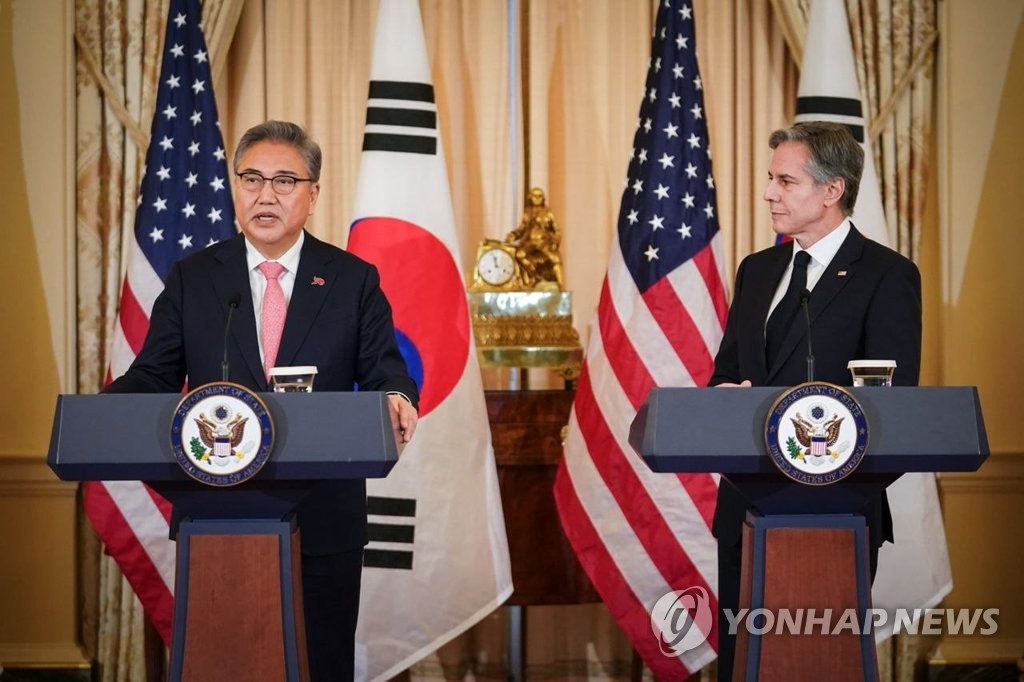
{"points": [[282, 184]]}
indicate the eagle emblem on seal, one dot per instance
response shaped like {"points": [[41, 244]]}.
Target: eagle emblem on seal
{"points": [[816, 433], [221, 433]]}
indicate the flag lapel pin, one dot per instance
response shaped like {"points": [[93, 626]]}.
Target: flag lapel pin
{"points": [[317, 281]]}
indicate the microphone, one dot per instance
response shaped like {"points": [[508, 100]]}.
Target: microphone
{"points": [[804, 298], [233, 302]]}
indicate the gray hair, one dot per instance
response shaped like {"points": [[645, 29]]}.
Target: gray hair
{"points": [[834, 154], [288, 133]]}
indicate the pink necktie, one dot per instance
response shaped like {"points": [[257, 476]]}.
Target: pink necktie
{"points": [[273, 314]]}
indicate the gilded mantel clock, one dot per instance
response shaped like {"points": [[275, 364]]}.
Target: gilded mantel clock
{"points": [[522, 316]]}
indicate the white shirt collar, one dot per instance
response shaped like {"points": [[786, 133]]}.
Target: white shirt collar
{"points": [[824, 250], [289, 259]]}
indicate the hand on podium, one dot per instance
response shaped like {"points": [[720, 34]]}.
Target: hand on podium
{"points": [[743, 384], [403, 417]]}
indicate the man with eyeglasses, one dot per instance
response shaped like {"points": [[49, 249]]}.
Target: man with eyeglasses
{"points": [[303, 302]]}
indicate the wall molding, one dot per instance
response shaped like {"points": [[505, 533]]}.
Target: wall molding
{"points": [[35, 654], [30, 476], [1001, 474], [978, 649]]}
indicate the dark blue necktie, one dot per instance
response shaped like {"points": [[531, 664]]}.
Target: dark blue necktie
{"points": [[785, 312]]}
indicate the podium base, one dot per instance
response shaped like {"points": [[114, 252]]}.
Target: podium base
{"points": [[238, 603], [792, 564]]}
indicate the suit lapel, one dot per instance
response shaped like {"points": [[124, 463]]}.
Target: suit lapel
{"points": [[764, 291], [230, 277], [313, 283], [824, 294], [832, 282]]}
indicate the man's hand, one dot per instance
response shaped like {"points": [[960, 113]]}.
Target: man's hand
{"points": [[403, 417], [743, 384]]}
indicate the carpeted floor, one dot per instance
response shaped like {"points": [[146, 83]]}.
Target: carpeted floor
{"points": [[975, 673], [936, 673], [44, 675]]}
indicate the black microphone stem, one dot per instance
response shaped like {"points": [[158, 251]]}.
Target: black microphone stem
{"points": [[232, 304], [807, 317]]}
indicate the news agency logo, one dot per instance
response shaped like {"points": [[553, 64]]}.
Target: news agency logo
{"points": [[681, 620], [803, 621]]}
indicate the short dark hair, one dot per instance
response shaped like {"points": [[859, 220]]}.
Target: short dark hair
{"points": [[288, 133], [834, 154]]}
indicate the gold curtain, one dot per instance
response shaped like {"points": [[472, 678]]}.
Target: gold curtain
{"points": [[117, 59], [894, 42], [116, 56], [750, 83]]}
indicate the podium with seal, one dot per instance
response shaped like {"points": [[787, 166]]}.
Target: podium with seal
{"points": [[809, 459], [234, 465]]}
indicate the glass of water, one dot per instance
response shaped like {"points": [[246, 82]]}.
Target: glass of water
{"points": [[292, 379], [872, 372]]}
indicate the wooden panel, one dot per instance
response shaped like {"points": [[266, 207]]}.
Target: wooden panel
{"points": [[38, 535], [526, 431], [803, 568], [810, 568], [245, 643], [980, 512]]}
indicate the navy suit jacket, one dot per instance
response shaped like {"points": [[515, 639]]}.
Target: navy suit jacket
{"points": [[343, 326], [867, 305]]}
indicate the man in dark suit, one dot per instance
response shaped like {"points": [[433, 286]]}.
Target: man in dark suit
{"points": [[865, 303], [334, 316]]}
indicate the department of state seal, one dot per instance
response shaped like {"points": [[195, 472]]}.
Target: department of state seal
{"points": [[816, 433], [221, 434]]}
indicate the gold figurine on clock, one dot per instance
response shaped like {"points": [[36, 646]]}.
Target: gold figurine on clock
{"points": [[537, 240]]}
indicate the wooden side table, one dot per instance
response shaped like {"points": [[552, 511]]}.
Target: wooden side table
{"points": [[526, 429]]}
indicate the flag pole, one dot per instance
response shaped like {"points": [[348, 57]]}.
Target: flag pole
{"points": [[514, 613]]}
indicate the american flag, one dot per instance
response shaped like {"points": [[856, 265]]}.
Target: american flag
{"points": [[184, 205], [660, 317]]}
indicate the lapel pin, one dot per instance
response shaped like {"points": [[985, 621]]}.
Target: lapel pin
{"points": [[318, 281], [841, 273]]}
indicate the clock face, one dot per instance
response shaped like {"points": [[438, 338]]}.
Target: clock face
{"points": [[496, 267]]}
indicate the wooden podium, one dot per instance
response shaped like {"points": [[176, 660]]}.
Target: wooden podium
{"points": [[238, 594], [808, 546]]}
